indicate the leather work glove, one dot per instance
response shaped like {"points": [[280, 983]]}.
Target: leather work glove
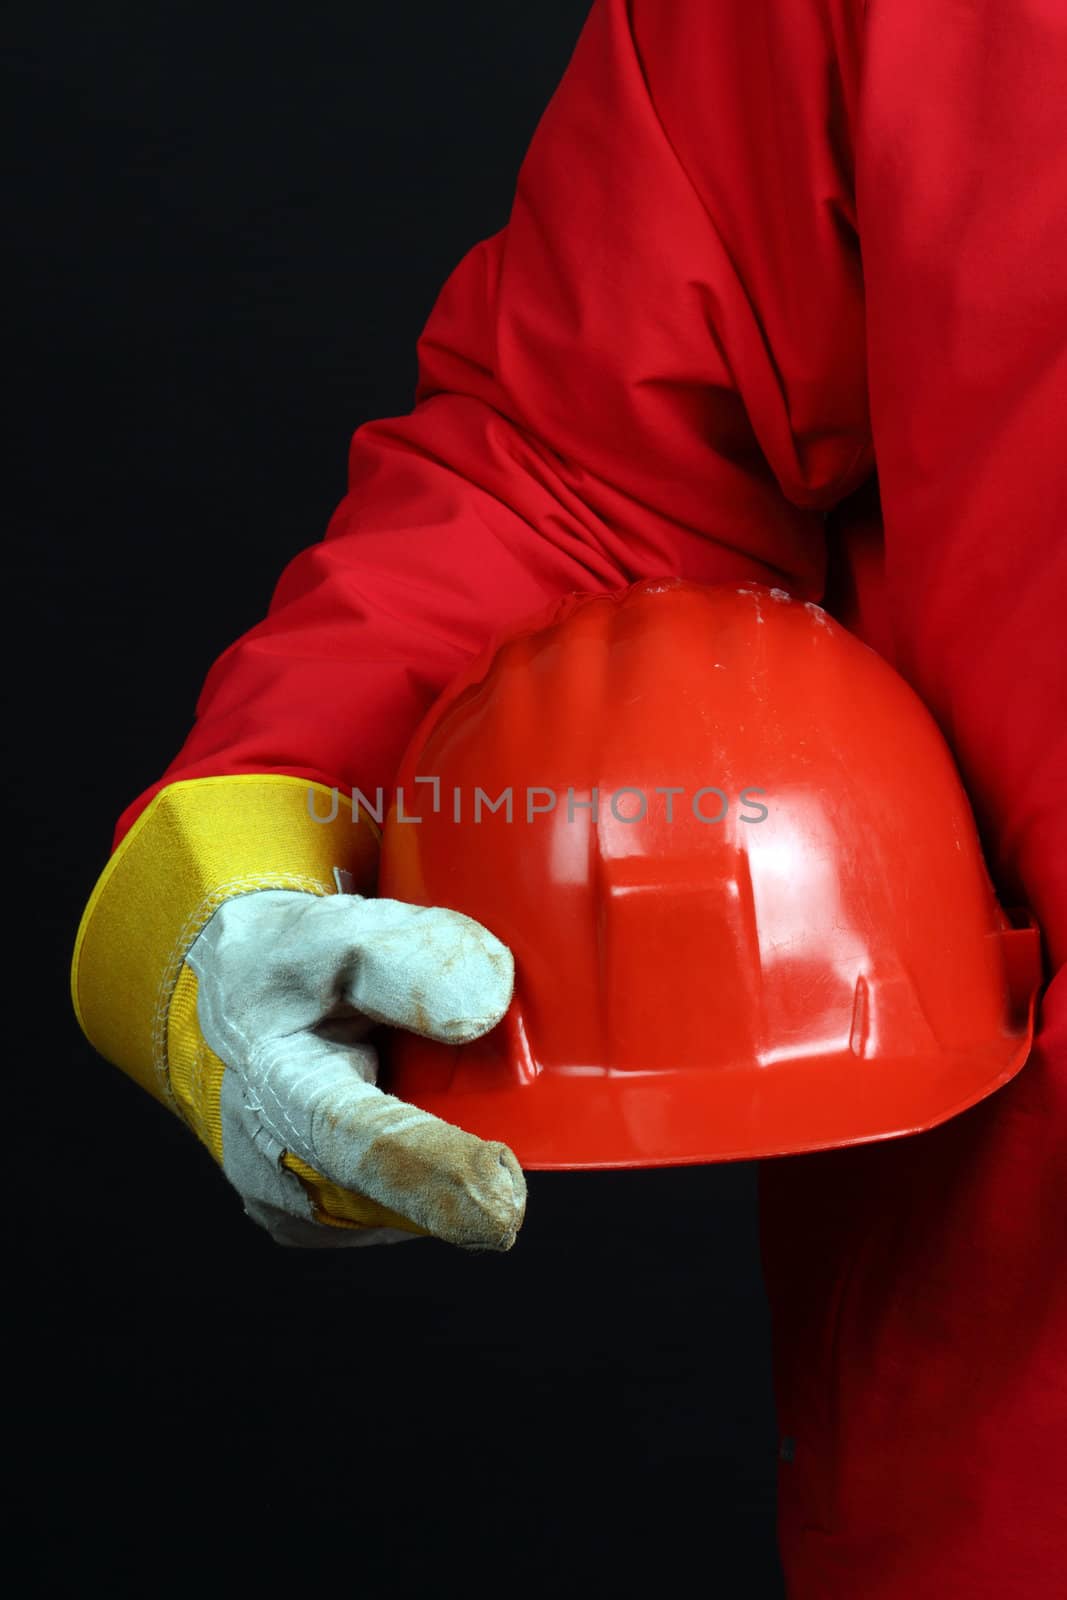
{"points": [[290, 984]]}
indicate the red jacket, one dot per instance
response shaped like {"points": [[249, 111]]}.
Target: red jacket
{"points": [[758, 250]]}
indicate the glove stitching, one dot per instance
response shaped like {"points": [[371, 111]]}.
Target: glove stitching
{"points": [[262, 1063]]}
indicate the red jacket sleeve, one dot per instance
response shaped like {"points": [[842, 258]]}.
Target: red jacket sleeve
{"points": [[656, 367]]}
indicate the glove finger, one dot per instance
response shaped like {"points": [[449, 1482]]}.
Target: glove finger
{"points": [[317, 1099], [433, 971]]}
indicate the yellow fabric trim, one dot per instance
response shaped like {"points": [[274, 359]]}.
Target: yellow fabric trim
{"points": [[195, 1070], [200, 842], [341, 1208]]}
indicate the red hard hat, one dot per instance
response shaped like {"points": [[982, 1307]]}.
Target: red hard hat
{"points": [[738, 873]]}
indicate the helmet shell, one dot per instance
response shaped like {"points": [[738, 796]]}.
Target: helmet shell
{"points": [[740, 878]]}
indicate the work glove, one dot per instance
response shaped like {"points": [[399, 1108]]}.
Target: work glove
{"points": [[289, 986]]}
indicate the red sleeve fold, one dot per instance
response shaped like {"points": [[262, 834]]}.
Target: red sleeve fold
{"points": [[657, 367]]}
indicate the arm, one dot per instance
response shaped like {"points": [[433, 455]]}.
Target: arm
{"points": [[656, 367]]}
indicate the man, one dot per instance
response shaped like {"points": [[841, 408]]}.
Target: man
{"points": [[758, 254]]}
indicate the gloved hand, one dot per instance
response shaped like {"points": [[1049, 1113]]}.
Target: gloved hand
{"points": [[289, 986]]}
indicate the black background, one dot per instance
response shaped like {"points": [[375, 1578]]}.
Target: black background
{"points": [[229, 225]]}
